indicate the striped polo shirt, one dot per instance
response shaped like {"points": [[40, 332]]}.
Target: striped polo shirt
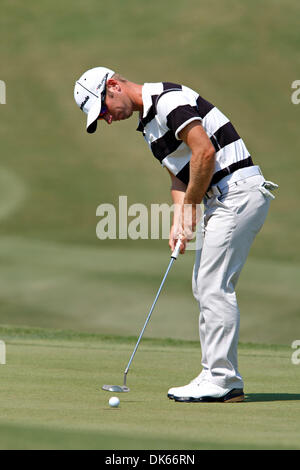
{"points": [[167, 109]]}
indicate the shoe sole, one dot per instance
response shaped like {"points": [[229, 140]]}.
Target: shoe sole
{"points": [[236, 395]]}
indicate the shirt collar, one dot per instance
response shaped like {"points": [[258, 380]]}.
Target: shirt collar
{"points": [[147, 99], [148, 106]]}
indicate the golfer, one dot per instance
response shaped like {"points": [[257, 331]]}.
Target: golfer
{"points": [[208, 162]]}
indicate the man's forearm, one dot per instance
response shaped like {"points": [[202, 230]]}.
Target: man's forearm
{"points": [[201, 172], [178, 190], [178, 201]]}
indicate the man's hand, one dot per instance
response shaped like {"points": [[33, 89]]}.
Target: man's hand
{"points": [[176, 234], [191, 214]]}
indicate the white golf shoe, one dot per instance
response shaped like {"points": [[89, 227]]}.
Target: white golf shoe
{"points": [[178, 390], [205, 391]]}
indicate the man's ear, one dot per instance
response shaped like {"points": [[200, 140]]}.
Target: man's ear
{"points": [[113, 85]]}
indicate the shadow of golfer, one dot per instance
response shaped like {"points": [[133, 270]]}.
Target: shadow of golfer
{"points": [[256, 397]]}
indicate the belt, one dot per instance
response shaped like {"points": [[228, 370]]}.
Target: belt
{"points": [[231, 179], [230, 169]]}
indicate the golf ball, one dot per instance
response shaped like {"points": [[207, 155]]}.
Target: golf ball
{"points": [[114, 402]]}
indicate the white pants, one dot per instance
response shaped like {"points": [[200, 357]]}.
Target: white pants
{"points": [[231, 222]]}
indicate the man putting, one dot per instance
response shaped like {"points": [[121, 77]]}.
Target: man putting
{"points": [[207, 161]]}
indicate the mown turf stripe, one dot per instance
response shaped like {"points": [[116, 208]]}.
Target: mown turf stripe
{"points": [[22, 332], [18, 437]]}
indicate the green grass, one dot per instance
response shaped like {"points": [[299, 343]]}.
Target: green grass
{"points": [[51, 395], [110, 291]]}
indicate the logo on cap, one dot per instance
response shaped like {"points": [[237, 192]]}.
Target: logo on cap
{"points": [[84, 102], [102, 81]]}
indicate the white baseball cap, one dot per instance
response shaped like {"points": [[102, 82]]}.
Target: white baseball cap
{"points": [[89, 94]]}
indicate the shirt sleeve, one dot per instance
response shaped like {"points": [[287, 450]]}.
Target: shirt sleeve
{"points": [[176, 110]]}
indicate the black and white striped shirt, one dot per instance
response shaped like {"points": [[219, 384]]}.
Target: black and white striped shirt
{"points": [[168, 108]]}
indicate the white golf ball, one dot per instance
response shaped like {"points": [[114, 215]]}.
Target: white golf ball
{"points": [[114, 402]]}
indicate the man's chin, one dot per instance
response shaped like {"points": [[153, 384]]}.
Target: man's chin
{"points": [[124, 115], [121, 116]]}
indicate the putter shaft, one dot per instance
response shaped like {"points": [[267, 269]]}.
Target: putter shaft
{"points": [[173, 258]]}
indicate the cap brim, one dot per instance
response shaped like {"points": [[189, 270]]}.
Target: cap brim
{"points": [[91, 124]]}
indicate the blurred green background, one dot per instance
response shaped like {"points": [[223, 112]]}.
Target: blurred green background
{"points": [[54, 272]]}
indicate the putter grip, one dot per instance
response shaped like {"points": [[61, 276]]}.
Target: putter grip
{"points": [[177, 249]]}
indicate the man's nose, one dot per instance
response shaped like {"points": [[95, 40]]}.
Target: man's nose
{"points": [[107, 117]]}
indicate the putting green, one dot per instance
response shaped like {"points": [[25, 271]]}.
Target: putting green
{"points": [[51, 395]]}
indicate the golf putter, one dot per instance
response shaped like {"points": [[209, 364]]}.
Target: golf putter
{"points": [[124, 388]]}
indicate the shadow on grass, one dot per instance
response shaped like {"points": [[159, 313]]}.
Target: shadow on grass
{"points": [[255, 397]]}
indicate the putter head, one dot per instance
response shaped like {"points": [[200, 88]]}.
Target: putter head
{"points": [[115, 388]]}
